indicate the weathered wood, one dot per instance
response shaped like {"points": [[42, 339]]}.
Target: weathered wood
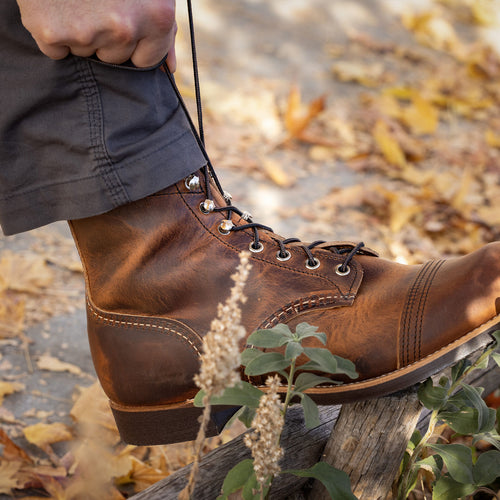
{"points": [[368, 443], [302, 449]]}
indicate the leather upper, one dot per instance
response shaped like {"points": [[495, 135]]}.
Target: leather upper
{"points": [[157, 268]]}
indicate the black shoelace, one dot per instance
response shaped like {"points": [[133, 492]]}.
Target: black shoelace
{"points": [[209, 173]]}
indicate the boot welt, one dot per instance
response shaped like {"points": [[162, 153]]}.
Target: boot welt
{"points": [[164, 424]]}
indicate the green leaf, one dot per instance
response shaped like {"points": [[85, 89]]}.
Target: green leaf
{"points": [[307, 380], [447, 488], [458, 460], [324, 361], [244, 415], [236, 478], [335, 481], [293, 350], [433, 398], [462, 421], [248, 354], [490, 437], [311, 413], [273, 337], [304, 330], [243, 394], [487, 468], [496, 336], [473, 395], [267, 362], [496, 358]]}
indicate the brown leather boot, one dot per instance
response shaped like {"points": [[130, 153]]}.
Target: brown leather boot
{"points": [[155, 270]]}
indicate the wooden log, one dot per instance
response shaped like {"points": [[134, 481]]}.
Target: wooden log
{"points": [[368, 443], [302, 450]]}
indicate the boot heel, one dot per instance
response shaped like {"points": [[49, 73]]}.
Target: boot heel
{"points": [[147, 426]]}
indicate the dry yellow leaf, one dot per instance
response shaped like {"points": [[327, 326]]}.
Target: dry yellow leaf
{"points": [[143, 475], [46, 362], [485, 12], [92, 414], [42, 435], [298, 116], [25, 272], [276, 173], [388, 145], [7, 388], [432, 31], [12, 314], [492, 138], [8, 474], [421, 116]]}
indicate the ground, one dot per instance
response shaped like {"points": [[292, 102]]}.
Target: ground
{"points": [[372, 120]]}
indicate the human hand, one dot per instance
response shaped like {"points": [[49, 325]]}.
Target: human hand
{"points": [[114, 30]]}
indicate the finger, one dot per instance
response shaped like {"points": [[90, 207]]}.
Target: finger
{"points": [[172, 60], [149, 52], [53, 51], [116, 55]]}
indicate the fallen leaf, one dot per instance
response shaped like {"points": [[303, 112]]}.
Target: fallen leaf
{"points": [[8, 473], [276, 173], [42, 434], [10, 450], [388, 145], [298, 116], [142, 475], [7, 388], [24, 272], [421, 116], [47, 362]]}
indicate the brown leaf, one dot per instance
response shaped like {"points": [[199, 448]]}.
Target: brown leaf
{"points": [[298, 116], [10, 450]]}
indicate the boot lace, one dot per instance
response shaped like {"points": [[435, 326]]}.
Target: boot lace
{"points": [[227, 226]]}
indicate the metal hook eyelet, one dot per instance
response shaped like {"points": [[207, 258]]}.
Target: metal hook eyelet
{"points": [[316, 264], [256, 249], [338, 270], [192, 182], [225, 227], [283, 258], [207, 207]]}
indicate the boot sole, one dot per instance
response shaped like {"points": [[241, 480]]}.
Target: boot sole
{"points": [[165, 424]]}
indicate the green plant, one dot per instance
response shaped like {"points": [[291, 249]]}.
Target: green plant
{"points": [[456, 469], [253, 476]]}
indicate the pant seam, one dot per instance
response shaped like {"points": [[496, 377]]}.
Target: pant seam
{"points": [[104, 164]]}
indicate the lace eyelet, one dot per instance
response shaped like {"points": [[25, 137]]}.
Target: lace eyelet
{"points": [[225, 227], [192, 182], [207, 207], [339, 271], [257, 249], [284, 258], [316, 264]]}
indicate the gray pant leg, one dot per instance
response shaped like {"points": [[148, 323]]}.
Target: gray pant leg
{"points": [[78, 138]]}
